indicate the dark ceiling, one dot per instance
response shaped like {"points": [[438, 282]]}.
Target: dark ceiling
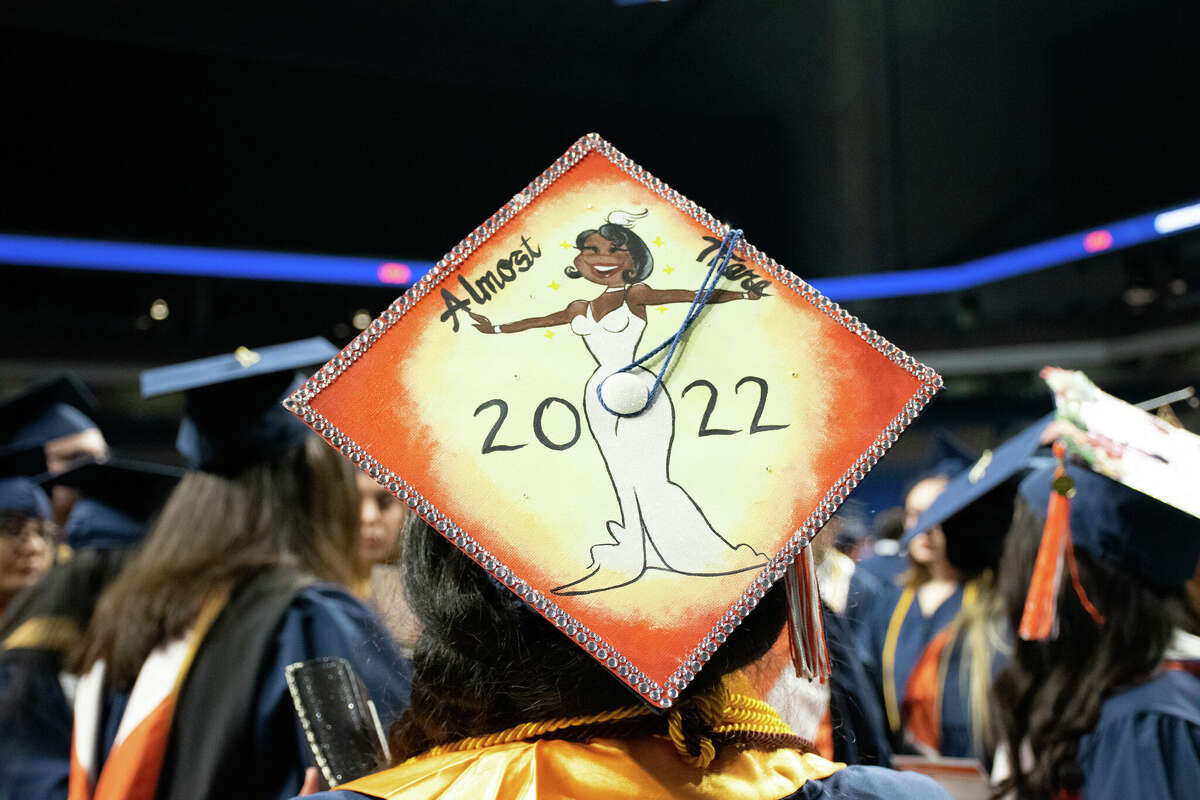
{"points": [[844, 137]]}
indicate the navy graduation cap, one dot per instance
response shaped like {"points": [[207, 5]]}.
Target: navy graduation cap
{"points": [[975, 510], [1122, 526], [233, 418], [19, 495], [946, 456], [22, 497], [991, 470], [117, 500], [53, 409], [28, 461]]}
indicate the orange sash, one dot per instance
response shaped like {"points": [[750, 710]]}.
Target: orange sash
{"points": [[922, 707], [133, 765], [615, 769]]}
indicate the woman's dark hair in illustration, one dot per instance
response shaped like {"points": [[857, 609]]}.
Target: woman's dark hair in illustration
{"points": [[618, 230]]}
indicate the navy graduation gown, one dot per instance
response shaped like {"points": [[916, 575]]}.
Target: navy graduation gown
{"points": [[859, 728], [1147, 743], [37, 631], [864, 598], [235, 724], [887, 568], [891, 660], [35, 733]]}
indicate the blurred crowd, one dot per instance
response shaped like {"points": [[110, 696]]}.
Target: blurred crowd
{"points": [[1022, 626]]}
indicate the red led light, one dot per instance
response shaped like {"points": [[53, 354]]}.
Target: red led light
{"points": [[1096, 241], [392, 272]]}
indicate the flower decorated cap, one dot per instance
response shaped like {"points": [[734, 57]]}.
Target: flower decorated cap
{"points": [[1121, 441], [516, 398], [1124, 490]]}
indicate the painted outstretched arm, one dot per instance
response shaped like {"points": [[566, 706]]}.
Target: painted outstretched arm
{"points": [[484, 325], [643, 295]]}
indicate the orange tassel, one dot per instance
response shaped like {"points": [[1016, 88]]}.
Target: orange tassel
{"points": [[806, 631], [1039, 619], [1084, 600]]}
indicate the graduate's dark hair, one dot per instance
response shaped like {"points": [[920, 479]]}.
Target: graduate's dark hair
{"points": [[300, 509], [485, 662], [1051, 694], [621, 236]]}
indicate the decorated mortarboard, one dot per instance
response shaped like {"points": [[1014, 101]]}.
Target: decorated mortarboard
{"points": [[117, 500], [53, 409], [232, 418], [624, 412], [1123, 489]]}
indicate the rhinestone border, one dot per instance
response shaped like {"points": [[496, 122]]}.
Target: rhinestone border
{"points": [[661, 695]]}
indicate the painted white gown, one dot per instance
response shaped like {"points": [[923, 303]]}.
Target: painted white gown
{"points": [[661, 526]]}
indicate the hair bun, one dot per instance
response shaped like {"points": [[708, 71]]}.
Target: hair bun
{"points": [[625, 219]]}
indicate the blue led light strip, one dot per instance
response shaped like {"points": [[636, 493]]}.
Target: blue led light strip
{"points": [[46, 251], [1011, 263], [209, 262]]}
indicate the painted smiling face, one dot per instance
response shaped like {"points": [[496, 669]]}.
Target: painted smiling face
{"points": [[603, 262]]}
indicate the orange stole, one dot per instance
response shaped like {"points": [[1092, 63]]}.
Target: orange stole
{"points": [[132, 768], [922, 706], [620, 769]]}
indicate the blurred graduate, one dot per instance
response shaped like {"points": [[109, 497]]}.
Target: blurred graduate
{"points": [[925, 592], [183, 691], [1102, 698], [887, 559], [28, 535], [115, 501], [55, 417], [944, 704]]}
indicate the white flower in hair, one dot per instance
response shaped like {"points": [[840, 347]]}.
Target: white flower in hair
{"points": [[626, 219]]}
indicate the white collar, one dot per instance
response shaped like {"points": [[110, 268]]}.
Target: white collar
{"points": [[1183, 646], [887, 547]]}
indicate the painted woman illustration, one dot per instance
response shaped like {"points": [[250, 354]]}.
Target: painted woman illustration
{"points": [[661, 526]]}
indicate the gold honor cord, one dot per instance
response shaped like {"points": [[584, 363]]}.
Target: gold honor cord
{"points": [[725, 713], [890, 701]]}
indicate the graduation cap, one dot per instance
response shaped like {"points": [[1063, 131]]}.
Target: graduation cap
{"points": [[118, 498], [28, 461], [946, 456], [232, 418], [23, 497], [975, 509], [1123, 489], [48, 411], [20, 494], [640, 496]]}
